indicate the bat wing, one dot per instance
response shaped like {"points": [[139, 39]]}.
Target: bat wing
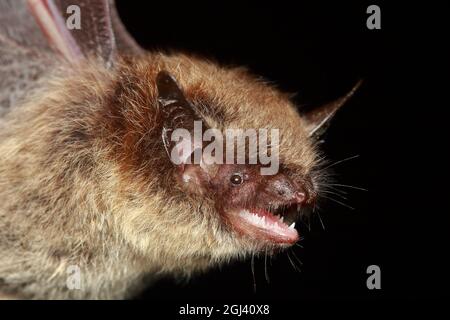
{"points": [[84, 28], [24, 53], [35, 34]]}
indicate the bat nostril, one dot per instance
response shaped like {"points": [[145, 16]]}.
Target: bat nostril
{"points": [[299, 196]]}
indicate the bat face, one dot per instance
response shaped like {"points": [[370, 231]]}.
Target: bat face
{"points": [[225, 209], [261, 207]]}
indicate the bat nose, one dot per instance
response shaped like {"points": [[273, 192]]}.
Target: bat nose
{"points": [[299, 196], [288, 190]]}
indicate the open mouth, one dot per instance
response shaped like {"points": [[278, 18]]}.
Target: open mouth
{"points": [[276, 226]]}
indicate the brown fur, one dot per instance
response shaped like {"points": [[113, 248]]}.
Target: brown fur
{"points": [[85, 180]]}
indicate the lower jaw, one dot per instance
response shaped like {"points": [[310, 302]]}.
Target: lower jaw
{"points": [[270, 230]]}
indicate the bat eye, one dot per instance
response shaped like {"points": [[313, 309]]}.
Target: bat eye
{"points": [[236, 179]]}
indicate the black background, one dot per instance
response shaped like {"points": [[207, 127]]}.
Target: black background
{"points": [[319, 50]]}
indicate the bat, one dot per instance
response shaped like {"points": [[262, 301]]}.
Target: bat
{"points": [[92, 203]]}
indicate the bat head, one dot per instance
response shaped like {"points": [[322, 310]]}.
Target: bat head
{"points": [[232, 163]]}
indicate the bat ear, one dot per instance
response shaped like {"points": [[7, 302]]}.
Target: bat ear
{"points": [[169, 92], [182, 127], [318, 119]]}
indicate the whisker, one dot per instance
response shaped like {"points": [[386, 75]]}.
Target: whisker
{"points": [[340, 161], [295, 256], [334, 193], [321, 222], [292, 263], [252, 264], [265, 268], [348, 186], [339, 202], [340, 191]]}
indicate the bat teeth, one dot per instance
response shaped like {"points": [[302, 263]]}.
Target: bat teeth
{"points": [[268, 223], [280, 218]]}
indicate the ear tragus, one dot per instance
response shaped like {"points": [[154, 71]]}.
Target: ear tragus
{"points": [[318, 119]]}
